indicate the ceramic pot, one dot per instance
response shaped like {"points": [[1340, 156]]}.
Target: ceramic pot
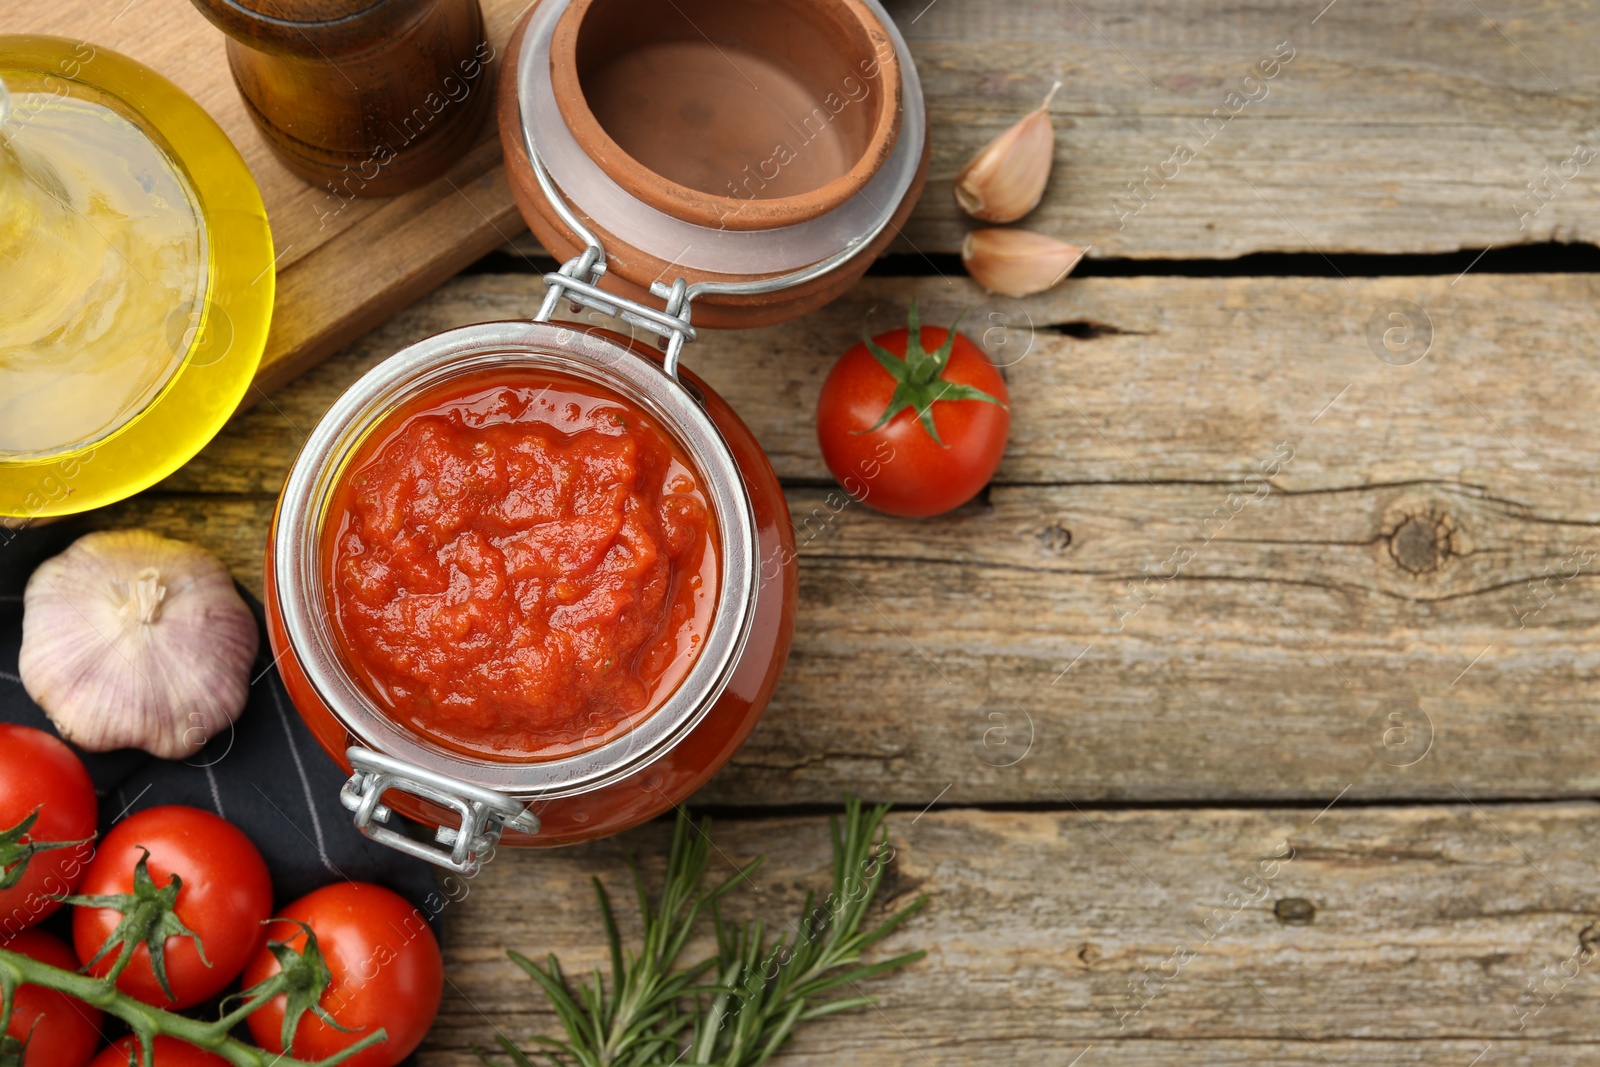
{"points": [[716, 141]]}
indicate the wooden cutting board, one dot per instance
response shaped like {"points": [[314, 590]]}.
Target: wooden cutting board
{"points": [[343, 266]]}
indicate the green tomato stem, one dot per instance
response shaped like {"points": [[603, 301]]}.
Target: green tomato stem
{"points": [[19, 970], [267, 990], [919, 380]]}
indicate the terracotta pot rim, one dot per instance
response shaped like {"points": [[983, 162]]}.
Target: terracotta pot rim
{"points": [[727, 212]]}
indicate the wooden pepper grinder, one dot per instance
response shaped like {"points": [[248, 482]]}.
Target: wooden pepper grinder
{"points": [[365, 97]]}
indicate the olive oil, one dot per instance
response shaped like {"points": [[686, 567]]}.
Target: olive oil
{"points": [[137, 268], [102, 245]]}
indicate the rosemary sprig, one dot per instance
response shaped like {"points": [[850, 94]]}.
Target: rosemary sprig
{"points": [[637, 1022], [656, 1013]]}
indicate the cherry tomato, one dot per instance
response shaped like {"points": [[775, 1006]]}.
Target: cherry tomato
{"points": [[61, 1031], [913, 432], [170, 1052], [40, 771], [226, 896], [386, 971]]}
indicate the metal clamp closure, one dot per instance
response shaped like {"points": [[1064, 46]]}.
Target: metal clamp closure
{"points": [[577, 281], [484, 812]]}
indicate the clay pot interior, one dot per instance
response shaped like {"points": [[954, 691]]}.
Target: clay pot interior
{"points": [[706, 107]]}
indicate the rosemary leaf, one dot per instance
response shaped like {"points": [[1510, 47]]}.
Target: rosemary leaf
{"points": [[654, 1011]]}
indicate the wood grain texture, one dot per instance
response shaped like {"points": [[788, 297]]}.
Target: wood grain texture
{"points": [[978, 659], [1374, 137], [1403, 936], [1389, 128], [1134, 603], [1186, 380]]}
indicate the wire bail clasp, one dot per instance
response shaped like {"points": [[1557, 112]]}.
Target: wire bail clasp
{"points": [[485, 814], [578, 281]]}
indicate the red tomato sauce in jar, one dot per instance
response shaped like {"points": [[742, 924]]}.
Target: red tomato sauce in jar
{"points": [[520, 565]]}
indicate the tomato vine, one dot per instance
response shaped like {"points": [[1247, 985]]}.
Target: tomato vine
{"points": [[147, 918]]}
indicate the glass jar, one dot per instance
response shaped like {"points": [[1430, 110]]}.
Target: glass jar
{"points": [[649, 769], [736, 264]]}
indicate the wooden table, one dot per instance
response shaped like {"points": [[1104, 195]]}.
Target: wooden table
{"points": [[1106, 691]]}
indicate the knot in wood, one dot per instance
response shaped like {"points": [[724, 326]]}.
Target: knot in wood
{"points": [[1421, 544], [1055, 537], [1295, 910]]}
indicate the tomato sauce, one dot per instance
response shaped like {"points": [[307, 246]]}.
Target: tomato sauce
{"points": [[520, 565]]}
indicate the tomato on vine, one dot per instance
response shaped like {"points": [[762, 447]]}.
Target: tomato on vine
{"points": [[169, 1052], [913, 422], [384, 969], [181, 885], [47, 821], [59, 1031]]}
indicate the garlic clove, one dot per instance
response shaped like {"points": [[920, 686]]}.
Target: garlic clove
{"points": [[1017, 262], [132, 640], [1006, 178]]}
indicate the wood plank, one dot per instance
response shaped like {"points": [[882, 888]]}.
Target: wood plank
{"points": [[1393, 128], [1293, 655], [988, 658], [384, 261], [1185, 380], [1421, 931], [1411, 558]]}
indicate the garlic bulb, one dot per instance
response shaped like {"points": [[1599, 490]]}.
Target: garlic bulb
{"points": [[1005, 180], [1017, 262], [132, 640]]}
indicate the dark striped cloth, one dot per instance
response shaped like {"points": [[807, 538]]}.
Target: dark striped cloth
{"points": [[266, 775]]}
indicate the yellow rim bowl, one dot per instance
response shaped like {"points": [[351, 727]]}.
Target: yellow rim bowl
{"points": [[207, 387]]}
